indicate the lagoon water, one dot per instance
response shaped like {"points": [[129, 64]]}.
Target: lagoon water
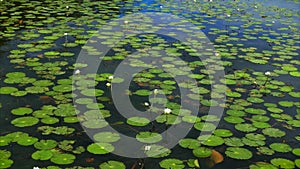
{"points": [[256, 42]]}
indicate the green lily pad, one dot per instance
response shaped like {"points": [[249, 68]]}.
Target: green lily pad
{"points": [[4, 154], [106, 137], [262, 165], [5, 140], [112, 165], [63, 159], [223, 133], [6, 163], [210, 140], [21, 111], [202, 152], [189, 143], [148, 137], [42, 155], [273, 132], [296, 151], [142, 92], [138, 121], [171, 163], [238, 153], [8, 90], [245, 127], [283, 163], [265, 151], [25, 121], [280, 147], [45, 144], [233, 142], [100, 148], [158, 151], [27, 141]]}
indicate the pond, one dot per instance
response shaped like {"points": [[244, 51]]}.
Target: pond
{"points": [[152, 84]]}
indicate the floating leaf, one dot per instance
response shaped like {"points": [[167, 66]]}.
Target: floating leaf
{"points": [[210, 140], [281, 147], [24, 121], [106, 137], [273, 132], [148, 137], [238, 153], [158, 151], [63, 159], [202, 152], [138, 121], [21, 111], [189, 143], [171, 163], [112, 165], [27, 141], [42, 155], [45, 144], [100, 148], [283, 163]]}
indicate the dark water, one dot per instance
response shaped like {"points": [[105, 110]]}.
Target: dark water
{"points": [[22, 155]]}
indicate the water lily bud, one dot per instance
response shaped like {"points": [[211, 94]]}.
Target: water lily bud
{"points": [[108, 84], [146, 104], [125, 22], [65, 34], [67, 7], [110, 77], [267, 73]]}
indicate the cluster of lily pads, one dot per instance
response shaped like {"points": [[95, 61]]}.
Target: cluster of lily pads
{"points": [[259, 48]]}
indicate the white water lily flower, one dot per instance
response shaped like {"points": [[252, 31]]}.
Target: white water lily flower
{"points": [[273, 21], [255, 6], [147, 148], [65, 34], [67, 7], [167, 111], [146, 104], [267, 73], [108, 84], [36, 167], [77, 72], [228, 15], [126, 22], [110, 77]]}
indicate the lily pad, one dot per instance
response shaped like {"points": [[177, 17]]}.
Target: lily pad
{"points": [[283, 163], [21, 111], [171, 163], [202, 152], [106, 137], [238, 153], [210, 140], [138, 121], [42, 155], [45, 144], [25, 121], [281, 147], [273, 132], [112, 165], [148, 137], [189, 143], [100, 148], [63, 159]]}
